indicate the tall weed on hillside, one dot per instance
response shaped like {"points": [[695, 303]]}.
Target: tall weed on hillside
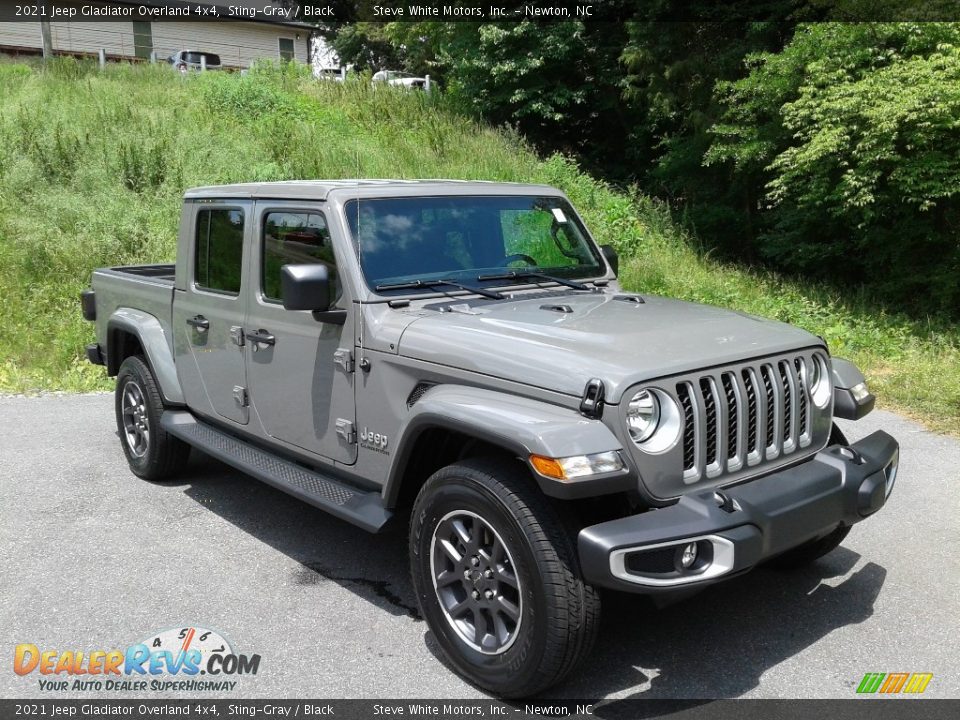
{"points": [[93, 165]]}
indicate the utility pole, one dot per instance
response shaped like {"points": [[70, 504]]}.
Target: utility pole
{"points": [[47, 39]]}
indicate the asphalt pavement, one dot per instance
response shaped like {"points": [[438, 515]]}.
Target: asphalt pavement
{"points": [[95, 559]]}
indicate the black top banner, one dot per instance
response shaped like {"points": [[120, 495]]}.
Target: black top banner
{"points": [[316, 12]]}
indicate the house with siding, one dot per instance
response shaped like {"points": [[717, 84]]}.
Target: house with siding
{"points": [[239, 42]]}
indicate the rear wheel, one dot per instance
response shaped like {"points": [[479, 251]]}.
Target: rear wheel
{"points": [[151, 453], [496, 574]]}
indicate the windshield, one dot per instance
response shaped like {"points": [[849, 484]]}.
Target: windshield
{"points": [[466, 238]]}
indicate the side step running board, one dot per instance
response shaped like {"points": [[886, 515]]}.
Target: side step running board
{"points": [[364, 509]]}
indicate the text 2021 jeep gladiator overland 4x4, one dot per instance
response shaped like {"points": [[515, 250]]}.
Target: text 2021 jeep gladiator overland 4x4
{"points": [[460, 355]]}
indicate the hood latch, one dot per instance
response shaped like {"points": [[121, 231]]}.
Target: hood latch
{"points": [[591, 402]]}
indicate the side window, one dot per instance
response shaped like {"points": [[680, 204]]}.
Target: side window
{"points": [[286, 49], [294, 238], [218, 250]]}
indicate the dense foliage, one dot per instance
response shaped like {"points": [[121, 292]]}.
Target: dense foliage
{"points": [[854, 130], [827, 149]]}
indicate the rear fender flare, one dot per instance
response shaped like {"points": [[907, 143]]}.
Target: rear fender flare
{"points": [[156, 346]]}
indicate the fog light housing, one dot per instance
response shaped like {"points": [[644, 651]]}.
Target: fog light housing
{"points": [[687, 556], [890, 471]]}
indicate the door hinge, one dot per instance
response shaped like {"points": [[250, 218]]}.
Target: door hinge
{"points": [[236, 334], [346, 431], [344, 358], [240, 395]]}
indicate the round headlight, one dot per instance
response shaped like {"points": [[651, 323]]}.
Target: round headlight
{"points": [[819, 384], [643, 415], [815, 375]]}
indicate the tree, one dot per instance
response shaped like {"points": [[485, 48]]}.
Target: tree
{"points": [[852, 133], [671, 70]]}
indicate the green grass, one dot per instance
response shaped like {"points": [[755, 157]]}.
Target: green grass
{"points": [[93, 164]]}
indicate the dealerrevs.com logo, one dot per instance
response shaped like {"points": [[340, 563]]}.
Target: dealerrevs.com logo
{"points": [[171, 660]]}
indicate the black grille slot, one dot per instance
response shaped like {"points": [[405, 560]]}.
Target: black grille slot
{"points": [[744, 417], [710, 410], [784, 369], [732, 414], [801, 394], [658, 561], [689, 449], [771, 405], [417, 393], [751, 412]]}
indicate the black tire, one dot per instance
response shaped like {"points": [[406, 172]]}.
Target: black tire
{"points": [[558, 613], [161, 455], [807, 553]]}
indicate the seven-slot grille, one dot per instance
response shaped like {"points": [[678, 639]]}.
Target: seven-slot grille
{"points": [[736, 418]]}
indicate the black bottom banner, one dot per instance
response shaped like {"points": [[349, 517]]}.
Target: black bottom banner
{"points": [[860, 709]]}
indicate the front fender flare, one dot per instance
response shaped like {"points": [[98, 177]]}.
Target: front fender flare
{"points": [[153, 339], [519, 425], [846, 376]]}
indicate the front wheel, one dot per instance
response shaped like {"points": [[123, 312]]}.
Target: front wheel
{"points": [[151, 453], [496, 574]]}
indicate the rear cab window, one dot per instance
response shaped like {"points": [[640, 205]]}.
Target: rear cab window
{"points": [[218, 250]]}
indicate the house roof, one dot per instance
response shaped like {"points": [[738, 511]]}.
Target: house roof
{"points": [[223, 10], [320, 189]]}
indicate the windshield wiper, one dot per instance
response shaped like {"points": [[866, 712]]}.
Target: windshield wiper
{"points": [[413, 284], [526, 274]]}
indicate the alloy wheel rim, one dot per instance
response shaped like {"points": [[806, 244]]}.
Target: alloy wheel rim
{"points": [[136, 424], [476, 582]]}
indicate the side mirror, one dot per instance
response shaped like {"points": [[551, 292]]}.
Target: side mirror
{"points": [[306, 287], [612, 258]]}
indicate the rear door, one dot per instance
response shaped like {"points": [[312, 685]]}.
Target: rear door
{"points": [[208, 312], [301, 384]]}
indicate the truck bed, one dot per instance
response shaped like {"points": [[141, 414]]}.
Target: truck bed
{"points": [[164, 272], [144, 288]]}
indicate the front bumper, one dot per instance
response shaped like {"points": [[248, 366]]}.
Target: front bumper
{"points": [[738, 527]]}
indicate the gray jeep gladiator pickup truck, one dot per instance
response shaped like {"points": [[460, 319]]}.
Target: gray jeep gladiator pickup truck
{"points": [[459, 356]]}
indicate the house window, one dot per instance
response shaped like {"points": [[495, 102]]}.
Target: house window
{"points": [[142, 40], [286, 49]]}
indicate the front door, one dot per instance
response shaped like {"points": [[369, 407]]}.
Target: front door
{"points": [[301, 380], [208, 314]]}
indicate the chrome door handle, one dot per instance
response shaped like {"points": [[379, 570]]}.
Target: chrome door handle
{"points": [[260, 337], [199, 323]]}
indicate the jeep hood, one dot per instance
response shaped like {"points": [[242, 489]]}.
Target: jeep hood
{"points": [[530, 341]]}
